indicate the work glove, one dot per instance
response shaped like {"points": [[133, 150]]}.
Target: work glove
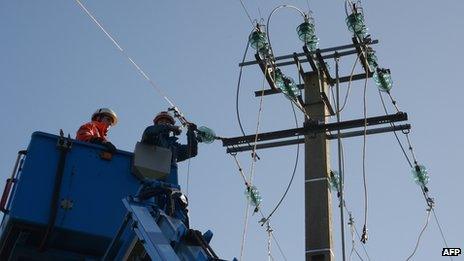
{"points": [[96, 140], [176, 129], [109, 146]]}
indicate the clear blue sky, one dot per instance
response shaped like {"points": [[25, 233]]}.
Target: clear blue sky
{"points": [[57, 67]]}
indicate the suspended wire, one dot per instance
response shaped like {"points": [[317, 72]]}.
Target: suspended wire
{"points": [[349, 84], [353, 242], [366, 198], [296, 161], [278, 246], [441, 230], [420, 235], [245, 226], [428, 200], [245, 229], [344, 202], [293, 173], [253, 154], [348, 210], [269, 20], [271, 50], [188, 177], [246, 12], [118, 46], [264, 221], [394, 132], [411, 149], [237, 108], [269, 232]]}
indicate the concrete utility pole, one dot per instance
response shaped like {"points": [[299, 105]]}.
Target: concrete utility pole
{"points": [[318, 207], [317, 133]]}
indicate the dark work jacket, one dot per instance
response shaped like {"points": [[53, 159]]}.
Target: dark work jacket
{"points": [[158, 135]]}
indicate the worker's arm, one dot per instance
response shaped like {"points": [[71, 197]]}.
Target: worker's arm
{"points": [[191, 149], [86, 133], [151, 133]]}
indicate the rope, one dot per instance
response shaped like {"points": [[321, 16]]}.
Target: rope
{"points": [[118, 46]]}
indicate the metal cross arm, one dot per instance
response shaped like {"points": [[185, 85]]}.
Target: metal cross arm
{"points": [[314, 128], [325, 50], [287, 142]]}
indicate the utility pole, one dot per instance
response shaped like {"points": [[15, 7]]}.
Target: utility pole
{"points": [[317, 134], [318, 209]]}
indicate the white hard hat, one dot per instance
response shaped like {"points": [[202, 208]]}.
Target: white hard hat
{"points": [[108, 112]]}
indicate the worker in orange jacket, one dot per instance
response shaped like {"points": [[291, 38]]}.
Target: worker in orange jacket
{"points": [[96, 130]]}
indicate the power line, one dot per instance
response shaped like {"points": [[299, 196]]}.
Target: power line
{"points": [[429, 201], [346, 208], [364, 236], [245, 228], [118, 46], [349, 84], [246, 12], [440, 228], [420, 235], [293, 173], [253, 154]]}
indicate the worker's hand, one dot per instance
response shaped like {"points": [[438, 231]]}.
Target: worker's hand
{"points": [[176, 129], [109, 146], [96, 140], [192, 126]]}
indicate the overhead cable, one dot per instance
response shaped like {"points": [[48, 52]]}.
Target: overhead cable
{"points": [[246, 12], [118, 46], [349, 84], [420, 235], [258, 121], [295, 165], [364, 236], [429, 201], [346, 208]]}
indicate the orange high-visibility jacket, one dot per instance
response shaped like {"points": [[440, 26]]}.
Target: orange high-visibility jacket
{"points": [[93, 130]]}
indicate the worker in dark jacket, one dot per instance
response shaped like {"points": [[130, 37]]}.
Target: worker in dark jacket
{"points": [[96, 131], [159, 134]]}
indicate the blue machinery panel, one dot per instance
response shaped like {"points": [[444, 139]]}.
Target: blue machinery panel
{"points": [[65, 204]]}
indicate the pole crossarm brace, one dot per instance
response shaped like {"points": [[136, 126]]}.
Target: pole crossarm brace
{"points": [[314, 128]]}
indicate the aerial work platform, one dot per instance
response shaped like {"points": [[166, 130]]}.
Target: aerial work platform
{"points": [[64, 201]]}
